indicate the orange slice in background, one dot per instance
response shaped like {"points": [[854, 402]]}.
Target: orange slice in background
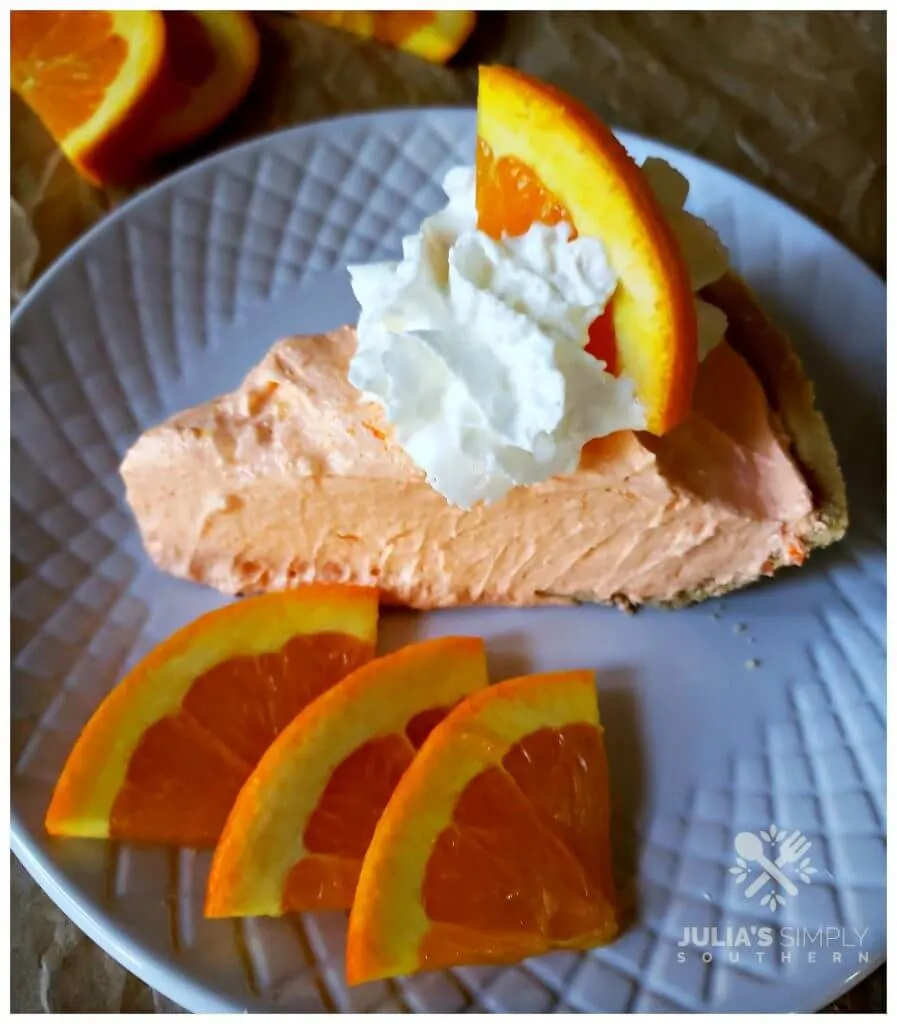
{"points": [[84, 73], [434, 35], [165, 755], [117, 89], [210, 60], [495, 845], [299, 830], [544, 157]]}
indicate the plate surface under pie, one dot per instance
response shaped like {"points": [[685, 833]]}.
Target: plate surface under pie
{"points": [[766, 708]]}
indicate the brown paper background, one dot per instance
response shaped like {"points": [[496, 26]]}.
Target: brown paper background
{"points": [[794, 102]]}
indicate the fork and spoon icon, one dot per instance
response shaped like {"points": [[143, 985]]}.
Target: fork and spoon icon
{"points": [[749, 846]]}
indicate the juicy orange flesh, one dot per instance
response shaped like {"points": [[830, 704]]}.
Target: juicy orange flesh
{"points": [[63, 62], [184, 776], [525, 864], [179, 788], [247, 702], [320, 883], [341, 826], [563, 773], [344, 820], [359, 788], [510, 199]]}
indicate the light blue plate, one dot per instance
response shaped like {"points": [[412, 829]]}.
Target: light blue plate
{"points": [[764, 710]]}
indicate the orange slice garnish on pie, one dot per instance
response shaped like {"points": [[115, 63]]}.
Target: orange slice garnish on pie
{"points": [[542, 157], [298, 832], [85, 73], [165, 755], [495, 845], [434, 35]]}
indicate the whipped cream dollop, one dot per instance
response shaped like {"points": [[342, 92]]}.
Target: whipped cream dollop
{"points": [[475, 348]]}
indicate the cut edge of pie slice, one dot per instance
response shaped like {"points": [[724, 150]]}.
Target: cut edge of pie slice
{"points": [[297, 833], [495, 844], [791, 397], [276, 402]]}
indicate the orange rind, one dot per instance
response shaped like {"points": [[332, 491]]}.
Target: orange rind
{"points": [[544, 157]]}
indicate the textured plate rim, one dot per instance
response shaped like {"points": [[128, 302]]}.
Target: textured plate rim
{"points": [[349, 120], [162, 974]]}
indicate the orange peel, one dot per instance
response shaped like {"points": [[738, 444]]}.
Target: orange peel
{"points": [[542, 156]]}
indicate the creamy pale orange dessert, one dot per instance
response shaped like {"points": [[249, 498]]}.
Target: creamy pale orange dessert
{"points": [[531, 413], [295, 477]]}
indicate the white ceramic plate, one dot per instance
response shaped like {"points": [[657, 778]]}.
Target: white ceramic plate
{"points": [[765, 709]]}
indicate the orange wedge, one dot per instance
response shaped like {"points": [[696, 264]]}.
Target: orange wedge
{"points": [[301, 825], [210, 60], [434, 35], [495, 844], [543, 157], [165, 755], [85, 73]]}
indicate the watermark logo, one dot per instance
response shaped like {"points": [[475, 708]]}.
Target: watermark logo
{"points": [[781, 861], [764, 944], [773, 865]]}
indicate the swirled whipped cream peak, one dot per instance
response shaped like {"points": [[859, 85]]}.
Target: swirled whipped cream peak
{"points": [[475, 348]]}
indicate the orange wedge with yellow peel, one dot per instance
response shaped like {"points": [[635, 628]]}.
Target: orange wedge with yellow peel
{"points": [[495, 845], [165, 755], [85, 73], [434, 35], [298, 832], [210, 60], [542, 157]]}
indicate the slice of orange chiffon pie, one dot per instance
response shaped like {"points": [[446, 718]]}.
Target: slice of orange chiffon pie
{"points": [[560, 393]]}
